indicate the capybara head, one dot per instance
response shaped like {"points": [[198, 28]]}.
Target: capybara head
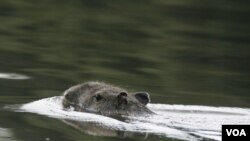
{"points": [[105, 99]]}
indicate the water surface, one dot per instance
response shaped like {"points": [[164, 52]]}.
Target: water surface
{"points": [[183, 122]]}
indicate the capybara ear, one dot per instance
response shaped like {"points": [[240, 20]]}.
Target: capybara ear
{"points": [[122, 98], [122, 94], [142, 97]]}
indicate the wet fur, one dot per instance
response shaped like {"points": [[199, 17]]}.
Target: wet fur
{"points": [[105, 99]]}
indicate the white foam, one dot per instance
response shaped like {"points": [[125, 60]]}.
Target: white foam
{"points": [[175, 121]]}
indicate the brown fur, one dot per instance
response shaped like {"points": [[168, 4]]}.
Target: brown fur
{"points": [[105, 99]]}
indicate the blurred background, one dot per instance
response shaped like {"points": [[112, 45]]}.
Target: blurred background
{"points": [[182, 52]]}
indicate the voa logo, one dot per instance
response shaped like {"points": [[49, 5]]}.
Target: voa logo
{"points": [[236, 132]]}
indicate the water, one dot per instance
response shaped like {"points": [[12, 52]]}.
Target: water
{"points": [[181, 52], [184, 122]]}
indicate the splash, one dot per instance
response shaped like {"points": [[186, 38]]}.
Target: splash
{"points": [[183, 122]]}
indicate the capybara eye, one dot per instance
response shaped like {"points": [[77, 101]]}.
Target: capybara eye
{"points": [[98, 97]]}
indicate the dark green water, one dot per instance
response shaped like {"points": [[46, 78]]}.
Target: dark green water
{"points": [[182, 52]]}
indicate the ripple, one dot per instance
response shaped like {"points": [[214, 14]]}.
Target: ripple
{"points": [[14, 76], [6, 134]]}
